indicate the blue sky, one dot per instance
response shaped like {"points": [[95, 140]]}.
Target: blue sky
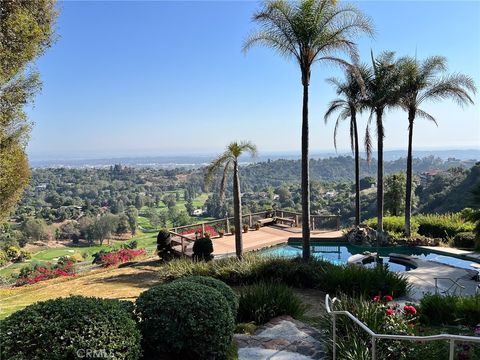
{"points": [[153, 78]]}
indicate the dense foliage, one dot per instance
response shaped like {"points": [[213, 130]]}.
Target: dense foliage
{"points": [[293, 272], [450, 310], [262, 302], [432, 225], [203, 249], [66, 328], [185, 320]]}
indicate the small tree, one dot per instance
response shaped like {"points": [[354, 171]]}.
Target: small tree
{"points": [[103, 227], [395, 193], [132, 215], [34, 229]]}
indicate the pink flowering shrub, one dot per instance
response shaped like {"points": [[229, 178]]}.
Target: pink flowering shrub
{"points": [[210, 230], [116, 257], [39, 273]]}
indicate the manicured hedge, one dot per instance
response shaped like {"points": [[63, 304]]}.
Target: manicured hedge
{"points": [[223, 288], [431, 225], [66, 328], [293, 272], [185, 320], [395, 224]]}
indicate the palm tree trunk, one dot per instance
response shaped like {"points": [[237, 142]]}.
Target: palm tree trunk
{"points": [[237, 211], [380, 135], [357, 168], [305, 170], [408, 195]]}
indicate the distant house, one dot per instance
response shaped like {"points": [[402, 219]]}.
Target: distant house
{"points": [[41, 187], [197, 212], [330, 194]]}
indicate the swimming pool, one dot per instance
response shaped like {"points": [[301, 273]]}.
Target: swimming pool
{"points": [[338, 253]]}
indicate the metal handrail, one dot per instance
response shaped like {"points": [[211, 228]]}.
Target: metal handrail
{"points": [[454, 283], [451, 338]]}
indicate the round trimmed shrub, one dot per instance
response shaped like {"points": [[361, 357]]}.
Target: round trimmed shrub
{"points": [[203, 249], [464, 240], [164, 245], [185, 320], [223, 288], [66, 328]]}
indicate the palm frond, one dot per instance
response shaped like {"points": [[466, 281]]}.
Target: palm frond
{"points": [[454, 86], [334, 106], [223, 182], [424, 115], [368, 144]]}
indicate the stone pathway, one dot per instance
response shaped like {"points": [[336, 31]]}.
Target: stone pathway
{"points": [[283, 338]]}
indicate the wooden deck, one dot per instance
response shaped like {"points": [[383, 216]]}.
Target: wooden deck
{"points": [[265, 237]]}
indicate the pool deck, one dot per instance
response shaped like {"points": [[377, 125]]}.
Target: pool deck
{"points": [[265, 237], [462, 254]]}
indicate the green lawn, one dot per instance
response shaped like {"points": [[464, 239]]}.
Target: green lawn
{"points": [[147, 241]]}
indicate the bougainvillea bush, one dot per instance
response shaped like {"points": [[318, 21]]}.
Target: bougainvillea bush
{"points": [[37, 273], [116, 257], [210, 230]]}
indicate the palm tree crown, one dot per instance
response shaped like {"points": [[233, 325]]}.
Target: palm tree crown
{"points": [[309, 31], [424, 81]]}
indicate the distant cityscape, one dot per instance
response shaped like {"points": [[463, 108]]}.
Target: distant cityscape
{"points": [[196, 161]]}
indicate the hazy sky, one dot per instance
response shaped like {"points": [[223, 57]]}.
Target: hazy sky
{"points": [[153, 78]]}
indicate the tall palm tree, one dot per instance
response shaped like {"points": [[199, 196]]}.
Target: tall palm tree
{"points": [[348, 105], [226, 162], [421, 82], [382, 91], [308, 31]]}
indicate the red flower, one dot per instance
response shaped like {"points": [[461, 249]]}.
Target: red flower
{"points": [[410, 309], [390, 312], [376, 298], [388, 298]]}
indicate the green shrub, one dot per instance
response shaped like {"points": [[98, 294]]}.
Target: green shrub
{"points": [[3, 258], [356, 280], [57, 329], [24, 255], [12, 252], [203, 249], [442, 226], [264, 301], [223, 288], [292, 272], [393, 224], [464, 240], [185, 320], [450, 310]]}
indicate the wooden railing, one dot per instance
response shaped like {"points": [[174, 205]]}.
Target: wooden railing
{"points": [[317, 222]]}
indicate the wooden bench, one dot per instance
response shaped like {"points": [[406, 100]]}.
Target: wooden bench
{"points": [[266, 221], [289, 221]]}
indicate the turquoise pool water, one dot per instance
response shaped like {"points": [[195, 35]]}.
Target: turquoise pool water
{"points": [[338, 253]]}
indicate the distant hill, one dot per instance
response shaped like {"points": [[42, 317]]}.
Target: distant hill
{"points": [[339, 168], [450, 191]]}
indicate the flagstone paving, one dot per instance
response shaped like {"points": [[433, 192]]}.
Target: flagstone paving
{"points": [[282, 338]]}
